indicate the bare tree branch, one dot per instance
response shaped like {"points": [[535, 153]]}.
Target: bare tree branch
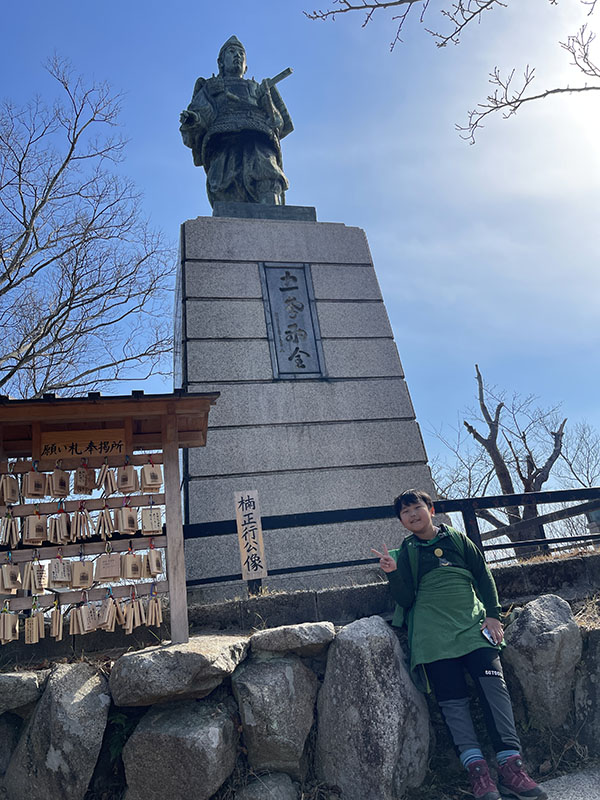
{"points": [[522, 444], [516, 459], [84, 282], [508, 93], [490, 443], [342, 6], [541, 474], [459, 13], [579, 461], [508, 100], [486, 514]]}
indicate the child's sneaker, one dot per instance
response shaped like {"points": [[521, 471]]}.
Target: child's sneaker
{"points": [[515, 782], [482, 785]]}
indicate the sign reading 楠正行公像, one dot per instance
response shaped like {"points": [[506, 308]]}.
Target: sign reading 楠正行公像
{"points": [[250, 538], [103, 442]]}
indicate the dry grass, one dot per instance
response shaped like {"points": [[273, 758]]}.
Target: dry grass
{"points": [[587, 613], [319, 791], [561, 555], [556, 554], [553, 753]]}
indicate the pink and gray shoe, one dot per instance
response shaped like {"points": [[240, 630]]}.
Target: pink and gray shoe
{"points": [[513, 781], [482, 785]]}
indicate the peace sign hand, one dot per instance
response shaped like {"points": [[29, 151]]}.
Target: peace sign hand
{"points": [[386, 561]]}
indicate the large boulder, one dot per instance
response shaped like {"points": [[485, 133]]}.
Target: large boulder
{"points": [[21, 688], [276, 700], [373, 730], [181, 751], [176, 672], [277, 786], [59, 746], [587, 695], [543, 650], [306, 639]]}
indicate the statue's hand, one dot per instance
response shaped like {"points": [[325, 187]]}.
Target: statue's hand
{"points": [[264, 90], [265, 101], [188, 118]]}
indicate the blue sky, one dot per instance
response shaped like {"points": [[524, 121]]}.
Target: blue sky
{"points": [[485, 254]]}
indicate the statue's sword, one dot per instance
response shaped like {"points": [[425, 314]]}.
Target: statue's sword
{"points": [[271, 81], [283, 74]]}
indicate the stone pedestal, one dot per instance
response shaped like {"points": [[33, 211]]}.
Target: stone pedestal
{"points": [[345, 438]]}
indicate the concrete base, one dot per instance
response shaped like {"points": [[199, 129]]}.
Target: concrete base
{"points": [[264, 211], [344, 440]]}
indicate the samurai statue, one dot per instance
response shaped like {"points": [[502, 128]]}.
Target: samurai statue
{"points": [[233, 126]]}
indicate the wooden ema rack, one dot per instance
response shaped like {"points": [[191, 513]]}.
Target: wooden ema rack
{"points": [[66, 430]]}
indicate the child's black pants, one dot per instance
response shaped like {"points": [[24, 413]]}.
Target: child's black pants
{"points": [[447, 678]]}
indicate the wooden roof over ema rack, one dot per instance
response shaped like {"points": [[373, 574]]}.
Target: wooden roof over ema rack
{"points": [[109, 430], [142, 420]]}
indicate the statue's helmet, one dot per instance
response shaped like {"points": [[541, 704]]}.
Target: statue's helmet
{"points": [[232, 41]]}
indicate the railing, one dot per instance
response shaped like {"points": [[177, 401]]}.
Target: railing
{"points": [[287, 521], [467, 507]]}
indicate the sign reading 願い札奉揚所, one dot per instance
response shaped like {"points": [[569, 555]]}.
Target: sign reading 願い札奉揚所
{"points": [[103, 442]]}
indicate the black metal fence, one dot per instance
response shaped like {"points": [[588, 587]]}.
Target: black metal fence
{"points": [[467, 507], [287, 521]]}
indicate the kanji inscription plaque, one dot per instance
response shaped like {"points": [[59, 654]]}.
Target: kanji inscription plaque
{"points": [[292, 323]]}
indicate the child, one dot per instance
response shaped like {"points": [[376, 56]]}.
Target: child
{"points": [[446, 593]]}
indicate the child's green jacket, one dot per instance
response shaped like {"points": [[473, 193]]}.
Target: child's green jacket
{"points": [[443, 590]]}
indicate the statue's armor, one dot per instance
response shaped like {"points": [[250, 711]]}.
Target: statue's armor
{"points": [[236, 115]]}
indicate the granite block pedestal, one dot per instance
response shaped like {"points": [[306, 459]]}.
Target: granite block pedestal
{"points": [[331, 429]]}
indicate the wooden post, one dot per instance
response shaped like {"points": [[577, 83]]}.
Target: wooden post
{"points": [[254, 587], [128, 424], [36, 438], [174, 523]]}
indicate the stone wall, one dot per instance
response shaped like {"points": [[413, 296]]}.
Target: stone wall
{"points": [[259, 716]]}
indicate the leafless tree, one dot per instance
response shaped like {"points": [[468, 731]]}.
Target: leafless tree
{"points": [[578, 467], [579, 463], [509, 90], [511, 447], [84, 281]]}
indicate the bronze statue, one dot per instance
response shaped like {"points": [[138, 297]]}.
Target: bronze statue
{"points": [[234, 127]]}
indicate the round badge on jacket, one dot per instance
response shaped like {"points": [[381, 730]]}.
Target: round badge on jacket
{"points": [[438, 552]]}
